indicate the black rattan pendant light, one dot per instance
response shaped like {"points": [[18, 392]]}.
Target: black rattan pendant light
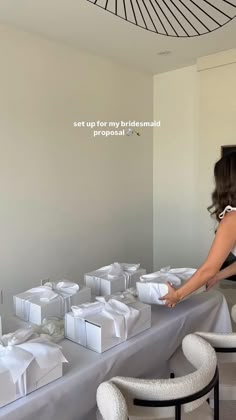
{"points": [[176, 18]]}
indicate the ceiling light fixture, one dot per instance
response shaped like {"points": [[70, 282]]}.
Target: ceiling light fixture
{"points": [[175, 18]]}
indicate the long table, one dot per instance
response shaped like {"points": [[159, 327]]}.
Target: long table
{"points": [[73, 397]]}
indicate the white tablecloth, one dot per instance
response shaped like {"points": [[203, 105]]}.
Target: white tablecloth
{"points": [[73, 397]]}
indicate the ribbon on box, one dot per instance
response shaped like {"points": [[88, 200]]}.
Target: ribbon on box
{"points": [[64, 289], [127, 296], [51, 329], [182, 273], [19, 349], [48, 292], [162, 276], [46, 354], [87, 309], [174, 276], [114, 272], [153, 286], [130, 268], [123, 270], [123, 316], [42, 293], [12, 357]]}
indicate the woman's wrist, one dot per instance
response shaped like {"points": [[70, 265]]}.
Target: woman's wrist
{"points": [[178, 295], [219, 276]]}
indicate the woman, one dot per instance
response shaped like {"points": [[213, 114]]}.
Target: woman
{"points": [[224, 209]]}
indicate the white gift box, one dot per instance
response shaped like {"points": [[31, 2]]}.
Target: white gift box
{"points": [[8, 392], [150, 293], [105, 329], [182, 273], [162, 276], [154, 286], [39, 303], [176, 276], [26, 367], [33, 379], [113, 278], [37, 377]]}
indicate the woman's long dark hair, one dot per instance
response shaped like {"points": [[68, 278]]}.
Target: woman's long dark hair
{"points": [[224, 193]]}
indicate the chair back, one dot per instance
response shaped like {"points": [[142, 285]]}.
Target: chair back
{"points": [[200, 354], [111, 403], [233, 313]]}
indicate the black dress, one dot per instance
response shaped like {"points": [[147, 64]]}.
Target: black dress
{"points": [[229, 260]]}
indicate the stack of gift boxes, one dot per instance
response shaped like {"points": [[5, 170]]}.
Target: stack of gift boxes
{"points": [[99, 315]]}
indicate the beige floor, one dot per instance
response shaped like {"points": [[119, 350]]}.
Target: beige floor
{"points": [[227, 410]]}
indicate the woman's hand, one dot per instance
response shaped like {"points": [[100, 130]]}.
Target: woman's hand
{"points": [[171, 297], [212, 282]]}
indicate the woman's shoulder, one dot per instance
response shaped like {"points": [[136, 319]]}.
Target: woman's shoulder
{"points": [[229, 218]]}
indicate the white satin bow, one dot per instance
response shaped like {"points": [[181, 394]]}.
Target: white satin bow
{"points": [[162, 276], [174, 276], [127, 296], [64, 288], [44, 293], [19, 349], [51, 330], [87, 309], [51, 290], [124, 316], [130, 267], [182, 273], [116, 270]]}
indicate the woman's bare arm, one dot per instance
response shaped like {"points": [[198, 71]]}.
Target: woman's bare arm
{"points": [[224, 241], [222, 274]]}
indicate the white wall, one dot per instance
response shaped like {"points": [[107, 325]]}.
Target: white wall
{"points": [[197, 108], [217, 116], [69, 203], [174, 167]]}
